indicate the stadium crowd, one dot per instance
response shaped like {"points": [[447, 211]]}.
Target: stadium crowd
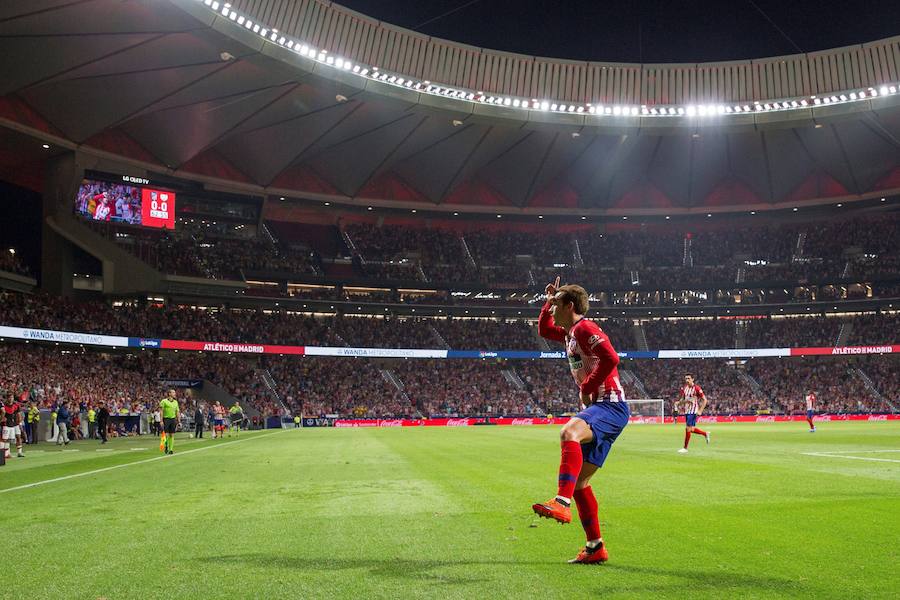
{"points": [[613, 260]]}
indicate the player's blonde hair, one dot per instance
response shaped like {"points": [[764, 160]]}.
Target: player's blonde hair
{"points": [[576, 295]]}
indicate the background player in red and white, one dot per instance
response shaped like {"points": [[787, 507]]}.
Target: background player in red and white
{"points": [[12, 426], [691, 401], [588, 437], [810, 409]]}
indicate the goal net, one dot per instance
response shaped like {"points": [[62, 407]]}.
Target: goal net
{"points": [[647, 411]]}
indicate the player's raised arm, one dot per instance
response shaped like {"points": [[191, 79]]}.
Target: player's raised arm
{"points": [[593, 341], [546, 327]]}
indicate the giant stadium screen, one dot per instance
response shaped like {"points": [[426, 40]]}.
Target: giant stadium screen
{"points": [[130, 200]]}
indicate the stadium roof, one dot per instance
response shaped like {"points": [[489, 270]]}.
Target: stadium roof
{"points": [[174, 86]]}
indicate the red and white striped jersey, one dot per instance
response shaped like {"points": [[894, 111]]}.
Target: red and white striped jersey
{"points": [[592, 358], [690, 397], [810, 402]]}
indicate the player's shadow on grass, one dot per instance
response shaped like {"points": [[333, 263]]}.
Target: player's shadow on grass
{"points": [[666, 580], [400, 568], [640, 578]]}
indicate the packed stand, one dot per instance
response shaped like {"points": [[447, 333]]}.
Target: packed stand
{"points": [[792, 331], [688, 334], [442, 388], [836, 383], [727, 393], [350, 387]]}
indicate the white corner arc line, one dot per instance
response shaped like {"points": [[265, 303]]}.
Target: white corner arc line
{"points": [[137, 462], [890, 460]]}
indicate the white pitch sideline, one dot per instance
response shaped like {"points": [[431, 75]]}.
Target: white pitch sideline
{"points": [[137, 462], [839, 454]]}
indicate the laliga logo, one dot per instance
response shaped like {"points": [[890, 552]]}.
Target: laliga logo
{"points": [[487, 355], [457, 422]]}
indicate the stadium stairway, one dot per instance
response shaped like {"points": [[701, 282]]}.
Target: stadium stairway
{"points": [[438, 338], [870, 387], [640, 338], [845, 333], [740, 334], [543, 346], [513, 378], [470, 260], [757, 388], [272, 386], [630, 379], [391, 378]]}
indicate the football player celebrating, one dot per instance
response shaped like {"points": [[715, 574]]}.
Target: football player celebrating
{"points": [[692, 401], [587, 438]]}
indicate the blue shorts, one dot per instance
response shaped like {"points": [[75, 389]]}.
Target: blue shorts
{"points": [[690, 420], [607, 420], [810, 413], [219, 422]]}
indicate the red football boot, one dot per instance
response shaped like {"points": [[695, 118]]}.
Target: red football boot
{"points": [[588, 556], [553, 509]]}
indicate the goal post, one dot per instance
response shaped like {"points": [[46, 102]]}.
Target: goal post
{"points": [[650, 410]]}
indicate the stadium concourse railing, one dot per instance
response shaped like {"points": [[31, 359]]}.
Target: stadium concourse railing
{"points": [[116, 341]]}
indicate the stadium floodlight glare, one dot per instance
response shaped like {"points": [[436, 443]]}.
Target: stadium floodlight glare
{"points": [[322, 56], [45, 146]]}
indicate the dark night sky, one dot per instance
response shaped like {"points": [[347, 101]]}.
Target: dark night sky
{"points": [[645, 30]]}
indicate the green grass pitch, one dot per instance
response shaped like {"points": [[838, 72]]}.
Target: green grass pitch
{"points": [[446, 512]]}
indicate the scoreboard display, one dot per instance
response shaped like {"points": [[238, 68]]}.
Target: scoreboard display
{"points": [[131, 200]]}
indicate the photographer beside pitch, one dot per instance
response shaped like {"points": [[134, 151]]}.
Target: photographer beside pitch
{"points": [[588, 437]]}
